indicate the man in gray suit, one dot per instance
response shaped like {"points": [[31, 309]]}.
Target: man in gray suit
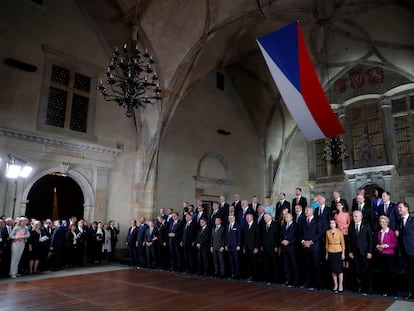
{"points": [[218, 242]]}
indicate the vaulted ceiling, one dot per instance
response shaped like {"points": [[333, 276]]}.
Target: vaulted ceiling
{"points": [[189, 38]]}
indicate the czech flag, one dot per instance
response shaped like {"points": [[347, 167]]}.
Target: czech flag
{"points": [[291, 67]]}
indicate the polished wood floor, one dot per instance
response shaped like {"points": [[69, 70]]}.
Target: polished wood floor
{"points": [[130, 289]]}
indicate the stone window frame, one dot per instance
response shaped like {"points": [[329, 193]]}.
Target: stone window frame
{"points": [[74, 65]]}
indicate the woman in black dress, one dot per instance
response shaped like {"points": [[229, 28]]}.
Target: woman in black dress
{"points": [[35, 247]]}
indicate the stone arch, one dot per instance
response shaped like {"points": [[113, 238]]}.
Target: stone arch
{"points": [[87, 191], [215, 156]]}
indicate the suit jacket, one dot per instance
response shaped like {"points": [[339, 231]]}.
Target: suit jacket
{"points": [[142, 228], [212, 219], [248, 210], [233, 236], [189, 234], [289, 234], [361, 241], [311, 232], [5, 243], [150, 236], [270, 236], [59, 238], [406, 236], [280, 207], [177, 229], [368, 216], [250, 237], [390, 239], [132, 236], [203, 238], [323, 218], [253, 209], [392, 214], [163, 230], [218, 237], [224, 210], [302, 202], [237, 207], [367, 201], [299, 219]]}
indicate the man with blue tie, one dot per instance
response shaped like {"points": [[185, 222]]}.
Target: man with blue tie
{"points": [[269, 247], [203, 245], [233, 246], [389, 209], [142, 228], [188, 243], [405, 235], [251, 243]]}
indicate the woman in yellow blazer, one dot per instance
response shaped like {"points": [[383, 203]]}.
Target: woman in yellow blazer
{"points": [[335, 253]]}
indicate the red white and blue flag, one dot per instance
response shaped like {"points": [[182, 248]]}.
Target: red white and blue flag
{"points": [[291, 67]]}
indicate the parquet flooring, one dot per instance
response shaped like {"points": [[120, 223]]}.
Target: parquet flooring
{"points": [[130, 289]]}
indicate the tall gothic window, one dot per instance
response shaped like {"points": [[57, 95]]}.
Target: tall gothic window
{"points": [[403, 110], [67, 99]]}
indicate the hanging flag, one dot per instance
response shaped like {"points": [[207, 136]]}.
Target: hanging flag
{"points": [[291, 67]]}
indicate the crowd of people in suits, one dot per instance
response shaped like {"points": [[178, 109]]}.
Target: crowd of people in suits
{"points": [[291, 243], [29, 246]]}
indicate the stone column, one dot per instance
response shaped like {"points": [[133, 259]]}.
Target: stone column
{"points": [[101, 193], [388, 130]]}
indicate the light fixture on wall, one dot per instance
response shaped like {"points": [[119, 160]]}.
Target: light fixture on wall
{"points": [[17, 168], [335, 150], [131, 81]]}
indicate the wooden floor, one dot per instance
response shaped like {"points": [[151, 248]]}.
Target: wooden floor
{"points": [[130, 289]]}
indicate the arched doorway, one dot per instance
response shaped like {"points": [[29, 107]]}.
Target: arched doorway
{"points": [[68, 200]]}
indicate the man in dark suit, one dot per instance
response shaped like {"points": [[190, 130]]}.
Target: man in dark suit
{"points": [[224, 209], [174, 240], [254, 205], [218, 242], [299, 199], [389, 209], [142, 228], [237, 203], [259, 219], [368, 215], [310, 239], [203, 245], [58, 244], [288, 238], [405, 235], [188, 243], [6, 246], [367, 200], [360, 250], [269, 247], [114, 230], [151, 241], [298, 215], [233, 241], [131, 242], [337, 199], [323, 214], [163, 251], [281, 205], [245, 210], [250, 245], [200, 212], [214, 214]]}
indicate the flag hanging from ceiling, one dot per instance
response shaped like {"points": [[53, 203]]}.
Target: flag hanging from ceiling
{"points": [[291, 67]]}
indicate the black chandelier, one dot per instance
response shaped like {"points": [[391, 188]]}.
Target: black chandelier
{"points": [[131, 80], [335, 150]]}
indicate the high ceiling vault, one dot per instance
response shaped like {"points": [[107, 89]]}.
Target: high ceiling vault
{"points": [[190, 38]]}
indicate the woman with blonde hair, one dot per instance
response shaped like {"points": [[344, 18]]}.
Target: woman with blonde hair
{"points": [[18, 236], [387, 242]]}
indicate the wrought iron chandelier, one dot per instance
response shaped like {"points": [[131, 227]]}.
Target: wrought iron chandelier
{"points": [[131, 80], [335, 150]]}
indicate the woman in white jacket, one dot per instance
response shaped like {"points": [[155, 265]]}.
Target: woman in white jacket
{"points": [[18, 236]]}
